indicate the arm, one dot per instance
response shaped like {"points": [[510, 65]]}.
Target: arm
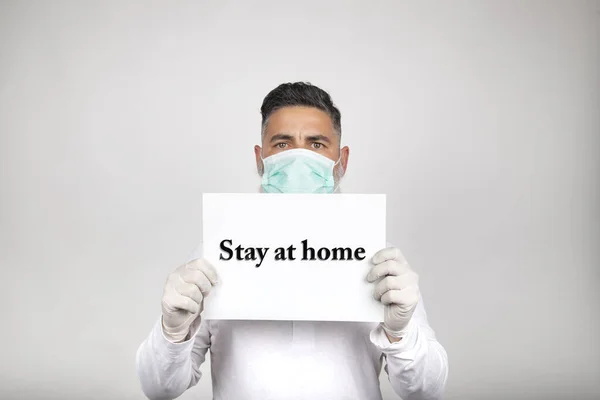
{"points": [[168, 361], [417, 364], [166, 369]]}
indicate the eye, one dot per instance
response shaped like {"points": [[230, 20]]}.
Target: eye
{"points": [[317, 145], [280, 145]]}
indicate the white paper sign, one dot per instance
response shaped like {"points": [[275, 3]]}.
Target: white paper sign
{"points": [[333, 238]]}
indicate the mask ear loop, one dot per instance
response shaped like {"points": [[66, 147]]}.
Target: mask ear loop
{"points": [[339, 176], [261, 169]]}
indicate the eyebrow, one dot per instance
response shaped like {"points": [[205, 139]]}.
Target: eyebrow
{"points": [[312, 138], [315, 138], [281, 136]]}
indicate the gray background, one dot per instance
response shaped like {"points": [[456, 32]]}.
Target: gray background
{"points": [[479, 120]]}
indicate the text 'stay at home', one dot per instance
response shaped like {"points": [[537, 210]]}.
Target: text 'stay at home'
{"points": [[240, 253]]}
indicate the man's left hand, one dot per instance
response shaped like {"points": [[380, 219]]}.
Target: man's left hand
{"points": [[398, 290]]}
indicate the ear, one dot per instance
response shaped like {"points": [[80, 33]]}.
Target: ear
{"points": [[344, 154], [259, 164]]}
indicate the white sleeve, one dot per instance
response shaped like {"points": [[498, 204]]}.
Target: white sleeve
{"points": [[167, 369], [417, 366]]}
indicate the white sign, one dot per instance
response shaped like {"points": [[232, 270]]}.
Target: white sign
{"points": [[293, 256]]}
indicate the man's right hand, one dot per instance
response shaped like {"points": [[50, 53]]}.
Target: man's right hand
{"points": [[183, 298]]}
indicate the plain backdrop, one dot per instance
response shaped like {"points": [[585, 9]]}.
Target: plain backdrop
{"points": [[478, 119]]}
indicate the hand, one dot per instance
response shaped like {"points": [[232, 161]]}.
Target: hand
{"points": [[398, 290], [183, 298]]}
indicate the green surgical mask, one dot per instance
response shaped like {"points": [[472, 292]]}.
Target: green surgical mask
{"points": [[298, 171]]}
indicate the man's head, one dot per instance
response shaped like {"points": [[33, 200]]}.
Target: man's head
{"points": [[301, 116]]}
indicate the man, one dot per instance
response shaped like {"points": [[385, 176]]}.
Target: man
{"points": [[300, 152]]}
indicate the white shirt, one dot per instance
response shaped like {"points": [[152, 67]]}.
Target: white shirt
{"points": [[295, 360]]}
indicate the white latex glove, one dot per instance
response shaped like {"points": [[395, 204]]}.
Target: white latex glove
{"points": [[183, 298], [398, 289]]}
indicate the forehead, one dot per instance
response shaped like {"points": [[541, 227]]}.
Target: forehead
{"points": [[298, 120]]}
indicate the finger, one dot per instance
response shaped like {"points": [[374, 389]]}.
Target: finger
{"points": [[179, 302], [190, 290], [394, 283], [206, 267], [405, 297], [389, 253], [197, 278], [390, 267]]}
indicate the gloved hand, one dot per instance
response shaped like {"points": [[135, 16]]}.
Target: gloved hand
{"points": [[398, 289], [183, 298]]}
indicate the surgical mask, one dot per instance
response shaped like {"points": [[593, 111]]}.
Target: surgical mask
{"points": [[298, 171]]}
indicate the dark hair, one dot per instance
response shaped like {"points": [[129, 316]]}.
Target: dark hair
{"points": [[300, 94]]}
